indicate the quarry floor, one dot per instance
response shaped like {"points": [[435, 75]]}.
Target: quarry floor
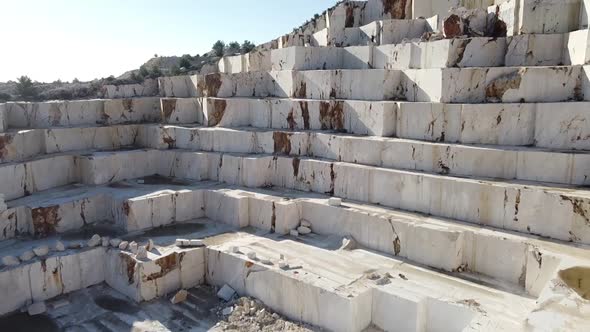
{"points": [[100, 308]]}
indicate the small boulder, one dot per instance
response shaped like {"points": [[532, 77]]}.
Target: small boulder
{"points": [[294, 232], [251, 255], [150, 245], [227, 311], [37, 308], [123, 245], [335, 201], [180, 296], [10, 261], [41, 251], [141, 253], [59, 246], [133, 246], [305, 223], [303, 230], [348, 243], [226, 293], [235, 249], [94, 241], [105, 241], [27, 256], [283, 265], [115, 243]]}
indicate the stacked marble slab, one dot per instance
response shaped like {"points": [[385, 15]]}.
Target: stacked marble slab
{"points": [[463, 165]]}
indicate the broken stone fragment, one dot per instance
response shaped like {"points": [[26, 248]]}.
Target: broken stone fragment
{"points": [[294, 232], [41, 251], [123, 245], [150, 245], [335, 201], [283, 265], [105, 241], [227, 311], [115, 242], [184, 243], [27, 256], [226, 293], [303, 230], [305, 223], [235, 249], [141, 253], [348, 243], [382, 281], [453, 26], [473, 23], [59, 246], [133, 246], [10, 261], [37, 308], [94, 241], [180, 296], [266, 261]]}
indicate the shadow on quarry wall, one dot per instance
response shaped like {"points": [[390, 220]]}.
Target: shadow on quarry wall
{"points": [[22, 322], [578, 279]]}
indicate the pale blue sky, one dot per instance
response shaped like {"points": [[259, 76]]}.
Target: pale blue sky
{"points": [[85, 39]]}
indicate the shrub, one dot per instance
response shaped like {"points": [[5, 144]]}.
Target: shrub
{"points": [[58, 94], [247, 46], [25, 88], [185, 62], [144, 72], [219, 48], [136, 78], [233, 48], [4, 97], [175, 71], [155, 72]]}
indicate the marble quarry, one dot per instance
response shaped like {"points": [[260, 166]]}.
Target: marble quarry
{"points": [[367, 171]]}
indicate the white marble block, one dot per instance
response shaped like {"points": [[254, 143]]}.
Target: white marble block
{"points": [[182, 110], [548, 16], [181, 86]]}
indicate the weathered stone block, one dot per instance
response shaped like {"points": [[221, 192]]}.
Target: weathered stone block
{"points": [[118, 111], [55, 114], [147, 88], [181, 110], [535, 50], [181, 86], [548, 16], [20, 145], [227, 207]]}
